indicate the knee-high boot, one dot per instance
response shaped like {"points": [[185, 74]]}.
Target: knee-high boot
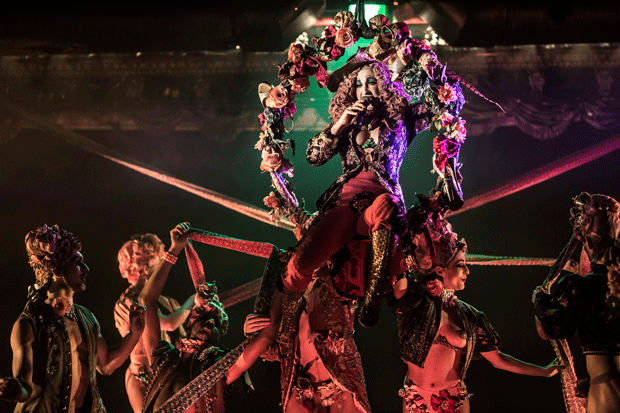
{"points": [[383, 245]]}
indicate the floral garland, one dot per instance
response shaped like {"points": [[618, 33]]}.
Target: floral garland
{"points": [[410, 60]]}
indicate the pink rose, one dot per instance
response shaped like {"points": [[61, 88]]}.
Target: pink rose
{"points": [[345, 37], [295, 52], [379, 21], [444, 148], [300, 84], [446, 94], [446, 119], [430, 64], [344, 19], [260, 144], [271, 201], [458, 131], [60, 306], [280, 96], [274, 162]]}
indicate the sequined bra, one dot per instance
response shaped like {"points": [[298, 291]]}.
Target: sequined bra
{"points": [[441, 339]]}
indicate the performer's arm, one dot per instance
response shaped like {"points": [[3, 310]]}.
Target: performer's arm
{"points": [[153, 288], [20, 387], [322, 147], [175, 319], [261, 343], [506, 362], [109, 359]]}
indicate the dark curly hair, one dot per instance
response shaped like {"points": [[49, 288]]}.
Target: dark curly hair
{"points": [[395, 100], [49, 249]]}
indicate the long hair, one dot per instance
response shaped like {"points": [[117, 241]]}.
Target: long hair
{"points": [[48, 249], [394, 99]]}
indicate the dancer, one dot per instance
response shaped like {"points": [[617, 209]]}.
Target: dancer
{"points": [[173, 367], [590, 304], [373, 123], [57, 344], [136, 259], [440, 334]]}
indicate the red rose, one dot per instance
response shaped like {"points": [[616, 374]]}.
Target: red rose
{"points": [[435, 287], [345, 37], [330, 31], [280, 96], [336, 52], [286, 71], [401, 29], [308, 66]]}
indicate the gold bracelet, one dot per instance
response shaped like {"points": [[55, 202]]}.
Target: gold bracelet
{"points": [[171, 258]]}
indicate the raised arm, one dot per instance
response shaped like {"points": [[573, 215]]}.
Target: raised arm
{"points": [[20, 387], [506, 362], [109, 359], [175, 319], [154, 286]]}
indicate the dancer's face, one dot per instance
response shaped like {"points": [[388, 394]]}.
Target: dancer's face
{"points": [[366, 83], [597, 238], [455, 273], [75, 272]]}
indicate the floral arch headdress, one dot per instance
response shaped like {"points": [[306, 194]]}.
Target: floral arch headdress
{"points": [[410, 61]]}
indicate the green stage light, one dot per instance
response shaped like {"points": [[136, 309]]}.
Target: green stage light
{"points": [[371, 10]]}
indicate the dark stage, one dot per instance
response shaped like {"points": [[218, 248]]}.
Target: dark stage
{"points": [[190, 112]]}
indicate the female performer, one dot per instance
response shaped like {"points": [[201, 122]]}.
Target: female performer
{"points": [[373, 123], [136, 258], [440, 334], [590, 304]]}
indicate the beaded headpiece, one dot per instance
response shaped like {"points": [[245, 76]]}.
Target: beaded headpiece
{"points": [[48, 248], [437, 244], [207, 304], [587, 206]]}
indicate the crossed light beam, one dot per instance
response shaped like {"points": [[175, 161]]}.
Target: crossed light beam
{"points": [[250, 289]]}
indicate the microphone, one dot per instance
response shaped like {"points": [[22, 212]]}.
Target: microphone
{"points": [[359, 119]]}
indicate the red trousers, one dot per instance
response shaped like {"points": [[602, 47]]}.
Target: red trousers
{"points": [[338, 227]]}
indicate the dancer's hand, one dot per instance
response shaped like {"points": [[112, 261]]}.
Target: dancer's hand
{"points": [[539, 289], [554, 368], [178, 237], [349, 115], [9, 388], [255, 322], [121, 315], [137, 315]]}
